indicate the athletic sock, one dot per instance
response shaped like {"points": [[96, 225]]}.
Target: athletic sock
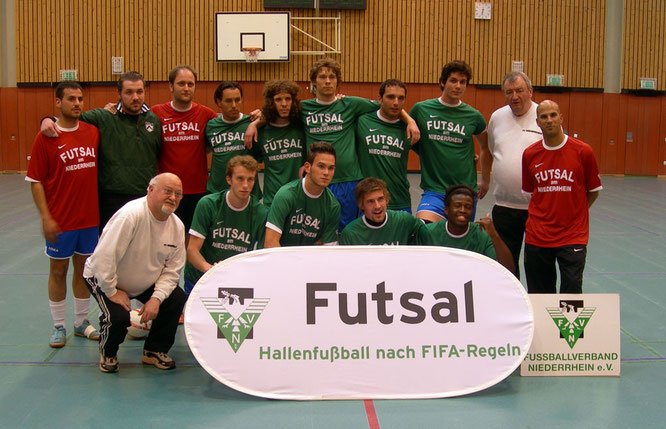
{"points": [[81, 309], [58, 310]]}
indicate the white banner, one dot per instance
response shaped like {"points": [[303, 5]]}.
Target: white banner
{"points": [[575, 334], [356, 322]]}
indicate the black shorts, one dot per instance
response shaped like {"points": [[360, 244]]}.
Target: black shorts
{"points": [[541, 272]]}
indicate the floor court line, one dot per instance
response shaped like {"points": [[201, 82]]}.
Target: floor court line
{"points": [[20, 218], [631, 225], [373, 422], [23, 274], [626, 274], [641, 343]]}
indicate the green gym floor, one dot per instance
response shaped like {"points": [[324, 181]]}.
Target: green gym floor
{"points": [[45, 387]]}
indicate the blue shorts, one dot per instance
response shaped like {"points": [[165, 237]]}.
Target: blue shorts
{"points": [[81, 241], [434, 202], [344, 193], [188, 286]]}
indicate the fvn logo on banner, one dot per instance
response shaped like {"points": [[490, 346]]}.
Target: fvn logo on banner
{"points": [[574, 335], [359, 322]]}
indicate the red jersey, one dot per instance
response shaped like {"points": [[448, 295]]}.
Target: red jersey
{"points": [[559, 179], [67, 168], [183, 145]]}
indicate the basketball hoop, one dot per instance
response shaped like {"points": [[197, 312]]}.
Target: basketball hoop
{"points": [[251, 54]]}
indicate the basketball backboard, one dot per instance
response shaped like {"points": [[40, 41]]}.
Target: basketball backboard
{"points": [[235, 31]]}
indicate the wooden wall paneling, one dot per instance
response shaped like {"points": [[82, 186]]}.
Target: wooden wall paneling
{"points": [[586, 73], [601, 55], [38, 30], [661, 142], [567, 45], [532, 64], [388, 22], [425, 55], [97, 44], [644, 42], [642, 120], [23, 119], [611, 158], [101, 95], [19, 38], [142, 52], [33, 103], [659, 49], [409, 39], [110, 28], [586, 117], [540, 49], [43, 32], [413, 162], [91, 42], [500, 55], [650, 134], [414, 30], [9, 157], [485, 102]]}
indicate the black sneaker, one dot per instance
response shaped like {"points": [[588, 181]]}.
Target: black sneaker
{"points": [[108, 364], [159, 359]]}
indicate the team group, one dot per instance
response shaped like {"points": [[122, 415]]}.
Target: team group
{"points": [[327, 160]]}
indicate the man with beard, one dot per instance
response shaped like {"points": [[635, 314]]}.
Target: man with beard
{"points": [[63, 180], [140, 256], [183, 141], [130, 143]]}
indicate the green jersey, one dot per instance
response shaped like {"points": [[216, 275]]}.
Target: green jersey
{"points": [[226, 231], [282, 149], [446, 146], [304, 219], [474, 239], [334, 123], [226, 141], [383, 151], [399, 228]]}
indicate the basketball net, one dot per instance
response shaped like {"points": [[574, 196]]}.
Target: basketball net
{"points": [[251, 54]]}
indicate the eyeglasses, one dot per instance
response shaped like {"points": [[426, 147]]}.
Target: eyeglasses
{"points": [[169, 192]]}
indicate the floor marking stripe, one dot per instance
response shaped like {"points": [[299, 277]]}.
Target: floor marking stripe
{"points": [[625, 274], [373, 423], [629, 224], [640, 342], [16, 219]]}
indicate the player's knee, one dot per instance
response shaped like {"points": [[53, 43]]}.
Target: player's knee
{"points": [[58, 270]]}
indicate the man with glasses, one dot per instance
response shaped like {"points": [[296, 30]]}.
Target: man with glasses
{"points": [[140, 256]]}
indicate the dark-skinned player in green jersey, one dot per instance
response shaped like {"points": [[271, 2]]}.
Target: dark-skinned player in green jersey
{"points": [[458, 232]]}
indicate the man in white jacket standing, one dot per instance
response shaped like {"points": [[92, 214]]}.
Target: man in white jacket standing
{"points": [[511, 129], [140, 256]]}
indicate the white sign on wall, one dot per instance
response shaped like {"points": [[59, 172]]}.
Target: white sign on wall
{"points": [[575, 335], [334, 322]]}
